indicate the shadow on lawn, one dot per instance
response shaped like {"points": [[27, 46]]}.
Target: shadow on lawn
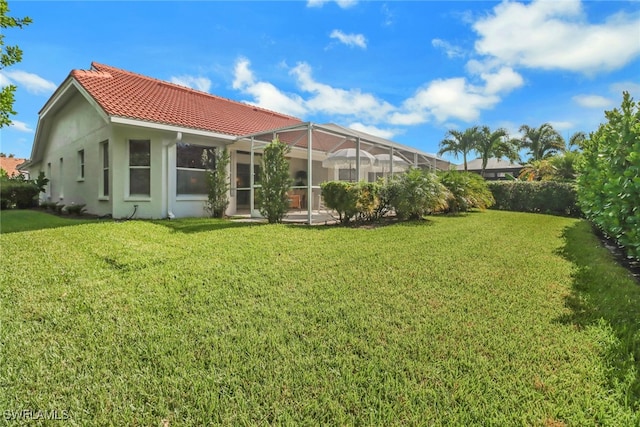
{"points": [[199, 225], [605, 294]]}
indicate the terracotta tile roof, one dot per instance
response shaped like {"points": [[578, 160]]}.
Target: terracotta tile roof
{"points": [[129, 95], [10, 164]]}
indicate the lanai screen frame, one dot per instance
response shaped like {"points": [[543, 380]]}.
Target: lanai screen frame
{"points": [[325, 139]]}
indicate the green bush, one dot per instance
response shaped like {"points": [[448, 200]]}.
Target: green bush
{"points": [[276, 182], [74, 209], [18, 193], [218, 184], [609, 184], [342, 197], [467, 190], [535, 196], [416, 193]]}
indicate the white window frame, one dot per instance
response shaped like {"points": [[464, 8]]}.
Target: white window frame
{"points": [[80, 165], [61, 193], [104, 167], [192, 196], [137, 197]]}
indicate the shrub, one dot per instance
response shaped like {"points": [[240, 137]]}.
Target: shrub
{"points": [[535, 196], [18, 193], [368, 201], [275, 182], [58, 208], [416, 193], [218, 185], [74, 209], [466, 190], [342, 197], [609, 184]]}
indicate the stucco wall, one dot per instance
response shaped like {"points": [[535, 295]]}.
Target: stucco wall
{"points": [[76, 126]]}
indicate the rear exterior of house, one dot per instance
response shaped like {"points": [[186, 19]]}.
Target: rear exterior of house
{"points": [[122, 143], [127, 145]]}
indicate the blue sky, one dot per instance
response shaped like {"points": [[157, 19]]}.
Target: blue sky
{"points": [[408, 71]]}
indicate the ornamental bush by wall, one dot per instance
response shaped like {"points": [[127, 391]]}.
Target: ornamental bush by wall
{"points": [[609, 184], [535, 196]]}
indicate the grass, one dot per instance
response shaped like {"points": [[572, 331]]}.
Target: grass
{"points": [[26, 220], [493, 318]]}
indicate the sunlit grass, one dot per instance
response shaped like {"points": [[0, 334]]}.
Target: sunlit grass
{"points": [[484, 319]]}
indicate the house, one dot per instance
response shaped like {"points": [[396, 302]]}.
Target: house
{"points": [[10, 166], [496, 168], [125, 144]]}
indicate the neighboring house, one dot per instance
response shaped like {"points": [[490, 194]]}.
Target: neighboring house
{"points": [[125, 144], [11, 164], [496, 168]]}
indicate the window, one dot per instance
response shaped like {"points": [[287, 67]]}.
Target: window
{"points": [[192, 162], [81, 165], [104, 177], [139, 167], [61, 179], [50, 186]]}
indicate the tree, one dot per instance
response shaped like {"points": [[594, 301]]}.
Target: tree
{"points": [[457, 142], [218, 184], [576, 140], [609, 181], [495, 144], [9, 55], [566, 165], [538, 170], [276, 181], [542, 142]]}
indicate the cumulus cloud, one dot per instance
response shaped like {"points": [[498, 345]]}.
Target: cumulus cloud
{"points": [[450, 50], [456, 98], [327, 99], [351, 40], [202, 84], [265, 94], [31, 82], [20, 126], [556, 35], [592, 101]]}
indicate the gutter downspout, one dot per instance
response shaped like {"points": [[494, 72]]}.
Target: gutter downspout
{"points": [[170, 214]]}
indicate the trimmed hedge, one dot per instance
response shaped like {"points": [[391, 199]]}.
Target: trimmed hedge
{"points": [[609, 184], [536, 196], [19, 194]]}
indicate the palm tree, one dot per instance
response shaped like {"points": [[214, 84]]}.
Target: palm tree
{"points": [[542, 142], [537, 170], [495, 144], [457, 142], [576, 140]]}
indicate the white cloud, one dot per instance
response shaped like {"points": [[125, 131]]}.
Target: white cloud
{"points": [[556, 35], [456, 98], [592, 101], [20, 126], [560, 126], [344, 4], [504, 80], [408, 118], [265, 94], [202, 84], [31, 82], [374, 130], [351, 40], [450, 50], [327, 99]]}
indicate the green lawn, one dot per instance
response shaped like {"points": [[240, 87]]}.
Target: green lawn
{"points": [[493, 318]]}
